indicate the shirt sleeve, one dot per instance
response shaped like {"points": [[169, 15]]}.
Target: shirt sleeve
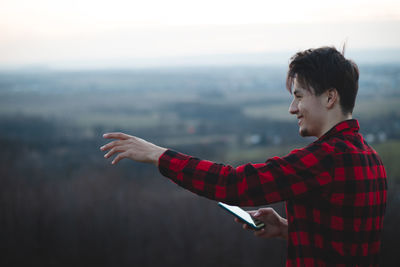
{"points": [[278, 179]]}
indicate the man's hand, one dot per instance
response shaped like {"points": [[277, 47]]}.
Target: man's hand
{"points": [[275, 225], [131, 147]]}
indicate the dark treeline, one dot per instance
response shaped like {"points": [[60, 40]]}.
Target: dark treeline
{"points": [[63, 204]]}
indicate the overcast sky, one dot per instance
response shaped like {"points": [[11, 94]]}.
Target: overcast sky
{"points": [[98, 32]]}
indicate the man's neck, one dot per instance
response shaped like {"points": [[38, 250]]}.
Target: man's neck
{"points": [[333, 120]]}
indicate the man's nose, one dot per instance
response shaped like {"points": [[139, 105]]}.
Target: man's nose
{"points": [[293, 107]]}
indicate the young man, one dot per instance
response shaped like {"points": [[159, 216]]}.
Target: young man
{"points": [[335, 188]]}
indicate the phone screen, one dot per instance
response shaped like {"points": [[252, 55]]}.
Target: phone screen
{"points": [[243, 215]]}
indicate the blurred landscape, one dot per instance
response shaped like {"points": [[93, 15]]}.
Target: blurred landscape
{"points": [[63, 204]]}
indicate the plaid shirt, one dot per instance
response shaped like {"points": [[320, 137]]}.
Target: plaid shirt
{"points": [[335, 193]]}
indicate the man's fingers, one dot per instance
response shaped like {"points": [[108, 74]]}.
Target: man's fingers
{"points": [[113, 151], [252, 212], [110, 145], [267, 210], [119, 157], [120, 136], [262, 212], [259, 232], [238, 220]]}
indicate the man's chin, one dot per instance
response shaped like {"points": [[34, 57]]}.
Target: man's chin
{"points": [[303, 132]]}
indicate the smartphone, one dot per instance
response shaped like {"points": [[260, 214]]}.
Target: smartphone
{"points": [[243, 216]]}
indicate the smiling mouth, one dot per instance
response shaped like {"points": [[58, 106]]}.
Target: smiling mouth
{"points": [[299, 119]]}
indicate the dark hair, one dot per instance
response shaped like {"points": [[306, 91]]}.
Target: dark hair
{"points": [[323, 69]]}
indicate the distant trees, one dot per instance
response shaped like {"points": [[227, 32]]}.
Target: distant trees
{"points": [[62, 204]]}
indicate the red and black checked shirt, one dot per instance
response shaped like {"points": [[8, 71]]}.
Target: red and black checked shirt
{"points": [[335, 193]]}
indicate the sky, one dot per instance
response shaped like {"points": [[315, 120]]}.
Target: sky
{"points": [[99, 33]]}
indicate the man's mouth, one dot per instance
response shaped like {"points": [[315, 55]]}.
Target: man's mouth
{"points": [[299, 118]]}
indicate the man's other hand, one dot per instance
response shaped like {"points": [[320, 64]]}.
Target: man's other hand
{"points": [[131, 147], [275, 225]]}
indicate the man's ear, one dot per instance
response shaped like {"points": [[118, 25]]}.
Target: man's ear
{"points": [[332, 97]]}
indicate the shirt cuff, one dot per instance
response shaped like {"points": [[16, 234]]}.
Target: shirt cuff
{"points": [[171, 162]]}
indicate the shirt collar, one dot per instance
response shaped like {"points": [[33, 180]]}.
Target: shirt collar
{"points": [[347, 126]]}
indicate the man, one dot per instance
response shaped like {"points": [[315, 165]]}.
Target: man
{"points": [[334, 188]]}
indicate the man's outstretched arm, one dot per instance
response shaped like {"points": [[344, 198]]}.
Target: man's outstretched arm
{"points": [[251, 184]]}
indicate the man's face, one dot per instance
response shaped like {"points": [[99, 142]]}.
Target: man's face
{"points": [[309, 110]]}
